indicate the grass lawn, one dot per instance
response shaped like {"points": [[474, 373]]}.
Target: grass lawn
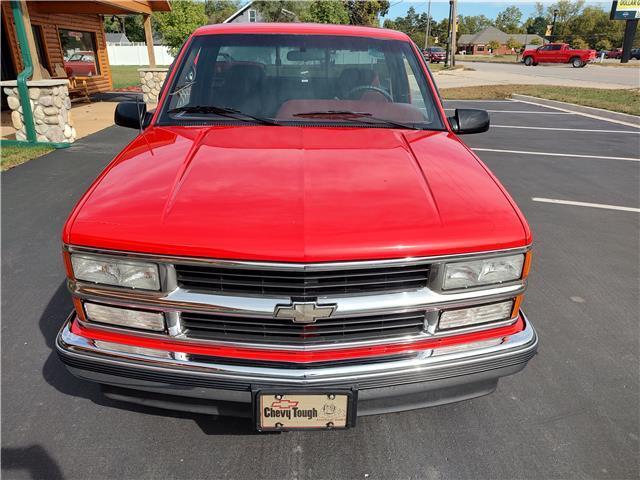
{"points": [[126, 75], [625, 101], [12, 156]]}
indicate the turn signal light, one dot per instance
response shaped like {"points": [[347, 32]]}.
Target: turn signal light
{"points": [[466, 317], [123, 317]]}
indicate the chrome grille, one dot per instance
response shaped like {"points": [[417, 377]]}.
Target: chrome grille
{"points": [[302, 283], [223, 327]]}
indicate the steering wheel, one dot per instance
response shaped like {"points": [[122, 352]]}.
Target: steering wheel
{"points": [[363, 88]]}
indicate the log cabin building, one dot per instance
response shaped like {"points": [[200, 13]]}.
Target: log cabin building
{"points": [[67, 38]]}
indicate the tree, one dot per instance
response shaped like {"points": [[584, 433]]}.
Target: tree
{"points": [[326, 11], [281, 10], [175, 26], [593, 24], [514, 44], [366, 12], [567, 11], [579, 43], [219, 10], [472, 23], [535, 41], [603, 44], [508, 20], [412, 24], [493, 45], [537, 25], [133, 27]]}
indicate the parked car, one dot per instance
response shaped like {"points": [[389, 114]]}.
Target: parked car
{"points": [[558, 53], [635, 53], [434, 54], [615, 53], [81, 64], [301, 241]]}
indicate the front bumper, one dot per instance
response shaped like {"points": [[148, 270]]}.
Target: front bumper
{"points": [[176, 381]]}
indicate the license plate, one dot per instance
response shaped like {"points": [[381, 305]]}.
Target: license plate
{"points": [[304, 410]]}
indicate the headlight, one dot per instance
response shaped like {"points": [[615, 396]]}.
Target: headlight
{"points": [[465, 317], [111, 271], [482, 272]]}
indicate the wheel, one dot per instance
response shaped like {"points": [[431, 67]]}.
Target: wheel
{"points": [[576, 62], [528, 61]]}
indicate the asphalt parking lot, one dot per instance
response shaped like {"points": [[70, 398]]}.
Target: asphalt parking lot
{"points": [[573, 413], [487, 73]]}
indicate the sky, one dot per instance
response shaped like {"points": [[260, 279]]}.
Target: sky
{"points": [[440, 8]]}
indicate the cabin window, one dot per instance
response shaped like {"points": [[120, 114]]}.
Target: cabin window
{"points": [[79, 52]]}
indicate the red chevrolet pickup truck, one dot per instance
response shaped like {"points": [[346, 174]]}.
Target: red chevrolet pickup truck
{"points": [[558, 53], [299, 238]]}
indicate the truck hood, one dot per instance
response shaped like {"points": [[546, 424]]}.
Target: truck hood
{"points": [[296, 194]]}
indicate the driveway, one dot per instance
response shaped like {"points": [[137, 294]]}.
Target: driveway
{"points": [[573, 413], [503, 74]]}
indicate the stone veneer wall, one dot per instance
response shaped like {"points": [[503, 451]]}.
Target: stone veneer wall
{"points": [[50, 104], [151, 79]]}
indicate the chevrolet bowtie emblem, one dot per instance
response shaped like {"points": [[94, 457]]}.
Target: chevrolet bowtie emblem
{"points": [[304, 312]]}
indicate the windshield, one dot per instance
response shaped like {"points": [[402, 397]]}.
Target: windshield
{"points": [[300, 79]]}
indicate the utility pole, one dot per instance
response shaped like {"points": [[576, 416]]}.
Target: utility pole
{"points": [[426, 39], [447, 57], [553, 27], [454, 28]]}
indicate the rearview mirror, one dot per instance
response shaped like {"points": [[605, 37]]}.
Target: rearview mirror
{"points": [[132, 115], [469, 120], [305, 55]]}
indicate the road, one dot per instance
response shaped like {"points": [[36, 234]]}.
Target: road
{"points": [[485, 73], [573, 413]]}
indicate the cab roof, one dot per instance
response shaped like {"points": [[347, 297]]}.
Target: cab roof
{"points": [[300, 29]]}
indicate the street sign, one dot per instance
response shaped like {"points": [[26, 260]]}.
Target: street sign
{"points": [[625, 10]]}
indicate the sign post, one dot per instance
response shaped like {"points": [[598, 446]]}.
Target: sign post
{"points": [[628, 10]]}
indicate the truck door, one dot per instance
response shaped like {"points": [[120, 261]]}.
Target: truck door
{"points": [[544, 54], [557, 54]]}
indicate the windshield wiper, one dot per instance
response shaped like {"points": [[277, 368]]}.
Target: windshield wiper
{"points": [[223, 112], [359, 117]]}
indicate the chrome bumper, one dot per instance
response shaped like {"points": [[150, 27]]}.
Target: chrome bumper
{"points": [[175, 373]]}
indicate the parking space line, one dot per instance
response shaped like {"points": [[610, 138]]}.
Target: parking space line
{"points": [[588, 115], [521, 111], [480, 101], [589, 130], [586, 204], [548, 154]]}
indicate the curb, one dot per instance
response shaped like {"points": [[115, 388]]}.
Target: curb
{"points": [[616, 117]]}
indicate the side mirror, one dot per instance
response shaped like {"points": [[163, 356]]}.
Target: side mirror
{"points": [[132, 115], [468, 120]]}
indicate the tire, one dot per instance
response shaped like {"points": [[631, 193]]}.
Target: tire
{"points": [[528, 61], [576, 62]]}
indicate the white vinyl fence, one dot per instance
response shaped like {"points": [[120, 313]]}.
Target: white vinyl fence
{"points": [[136, 54]]}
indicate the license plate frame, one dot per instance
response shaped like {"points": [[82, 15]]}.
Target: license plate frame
{"points": [[290, 394]]}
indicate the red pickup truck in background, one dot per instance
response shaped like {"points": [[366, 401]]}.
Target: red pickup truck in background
{"points": [[81, 64], [558, 53]]}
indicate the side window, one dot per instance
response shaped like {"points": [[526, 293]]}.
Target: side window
{"points": [[74, 41], [253, 17], [556, 47], [416, 94], [181, 94]]}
